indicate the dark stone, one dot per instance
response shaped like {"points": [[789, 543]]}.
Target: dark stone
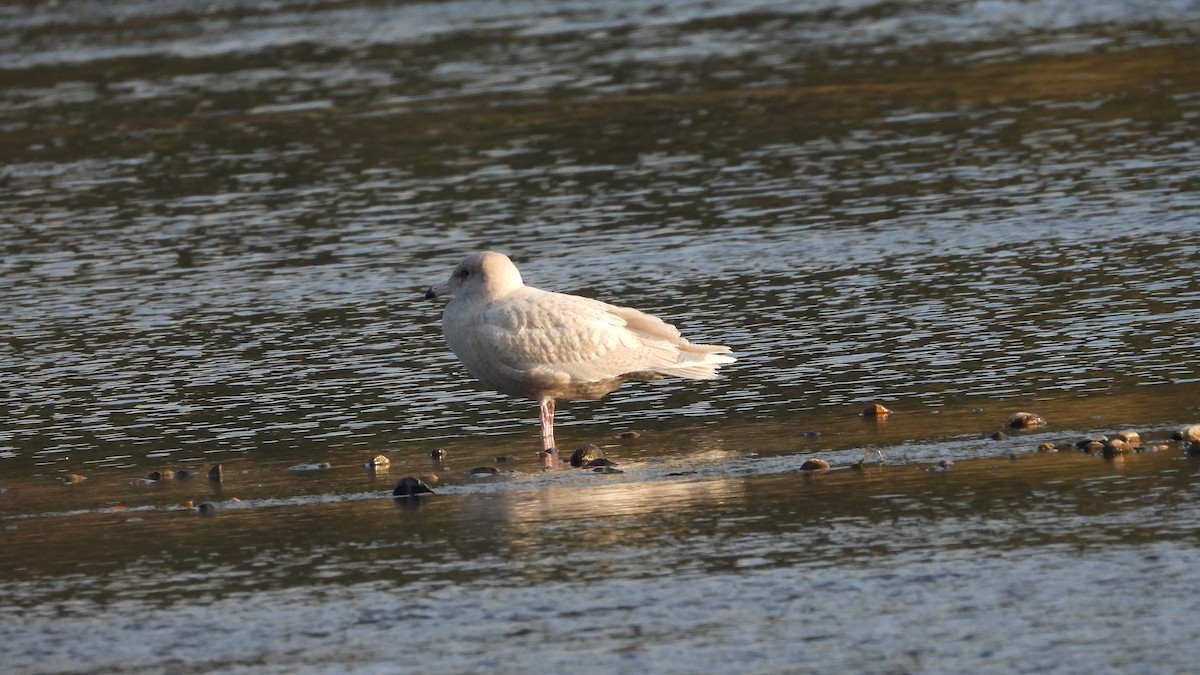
{"points": [[586, 454], [409, 487], [215, 473]]}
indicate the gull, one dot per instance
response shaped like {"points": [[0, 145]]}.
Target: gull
{"points": [[526, 342]]}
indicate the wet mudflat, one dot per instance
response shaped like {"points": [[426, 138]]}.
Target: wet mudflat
{"points": [[217, 225]]}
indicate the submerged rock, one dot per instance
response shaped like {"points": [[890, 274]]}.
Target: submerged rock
{"points": [[814, 464], [629, 435], [942, 465], [378, 462], [585, 454], [206, 507], [1116, 447], [216, 473], [1025, 420], [481, 471], [308, 468], [1130, 437], [601, 461], [1188, 434], [607, 469], [875, 410], [999, 436], [165, 474], [438, 454], [411, 486]]}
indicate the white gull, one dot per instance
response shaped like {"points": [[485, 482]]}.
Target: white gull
{"points": [[526, 342]]}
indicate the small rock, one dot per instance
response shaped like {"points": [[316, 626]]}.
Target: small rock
{"points": [[1047, 447], [629, 435], [483, 471], [1187, 434], [206, 507], [166, 474], [814, 464], [378, 462], [215, 473], [1083, 443], [1115, 447], [586, 454], [1094, 446], [607, 469], [189, 504], [308, 468], [1025, 420], [72, 479], [184, 474], [439, 454], [1130, 437], [600, 461], [999, 436], [875, 410], [143, 482], [409, 487]]}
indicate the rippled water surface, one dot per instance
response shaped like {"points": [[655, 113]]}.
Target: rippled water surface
{"points": [[217, 221]]}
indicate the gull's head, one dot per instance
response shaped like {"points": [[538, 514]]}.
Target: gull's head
{"points": [[481, 275]]}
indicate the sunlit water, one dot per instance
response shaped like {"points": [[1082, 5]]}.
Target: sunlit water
{"points": [[216, 225]]}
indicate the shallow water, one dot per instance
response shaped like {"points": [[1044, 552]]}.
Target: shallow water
{"points": [[217, 226]]}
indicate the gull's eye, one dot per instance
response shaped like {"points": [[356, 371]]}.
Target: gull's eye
{"points": [[463, 273]]}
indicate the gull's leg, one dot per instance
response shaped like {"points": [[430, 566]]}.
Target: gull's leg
{"points": [[549, 452], [867, 453]]}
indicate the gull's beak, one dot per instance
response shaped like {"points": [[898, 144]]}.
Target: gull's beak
{"points": [[435, 291]]}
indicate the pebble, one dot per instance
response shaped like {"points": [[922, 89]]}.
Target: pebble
{"points": [[1083, 443], [409, 487], [875, 410], [1047, 447], [189, 504], [306, 468], [1130, 437], [214, 474], [166, 474], [482, 471], [72, 479], [629, 435], [586, 454], [999, 436], [1025, 420], [1116, 447], [1094, 446], [378, 462], [206, 507], [814, 464], [439, 454]]}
